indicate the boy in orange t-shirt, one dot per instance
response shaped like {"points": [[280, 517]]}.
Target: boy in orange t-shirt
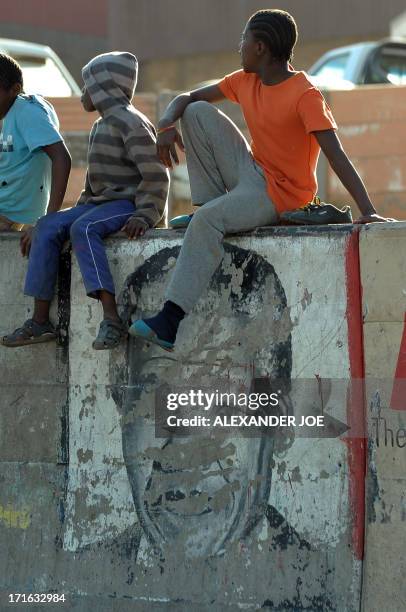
{"points": [[243, 186]]}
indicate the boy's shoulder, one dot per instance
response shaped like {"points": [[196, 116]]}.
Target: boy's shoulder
{"points": [[33, 101], [131, 118], [306, 84], [35, 106]]}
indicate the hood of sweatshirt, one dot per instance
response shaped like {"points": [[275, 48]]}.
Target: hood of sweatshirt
{"points": [[110, 79]]}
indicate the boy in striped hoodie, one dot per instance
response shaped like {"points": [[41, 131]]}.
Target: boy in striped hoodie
{"points": [[126, 189]]}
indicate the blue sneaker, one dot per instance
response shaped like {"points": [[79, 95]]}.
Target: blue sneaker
{"points": [[180, 222], [139, 329]]}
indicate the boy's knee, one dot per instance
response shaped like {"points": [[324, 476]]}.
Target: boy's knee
{"points": [[209, 218], [78, 230], [196, 109], [199, 215], [43, 222], [204, 216], [45, 226]]}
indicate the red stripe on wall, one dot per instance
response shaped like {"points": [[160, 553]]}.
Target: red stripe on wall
{"points": [[355, 396], [398, 399]]}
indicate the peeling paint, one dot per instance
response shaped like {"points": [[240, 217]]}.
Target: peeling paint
{"points": [[206, 501], [15, 519], [84, 456]]}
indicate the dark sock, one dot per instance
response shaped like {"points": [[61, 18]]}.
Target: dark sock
{"points": [[165, 324]]}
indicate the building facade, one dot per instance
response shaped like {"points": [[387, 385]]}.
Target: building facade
{"points": [[181, 43]]}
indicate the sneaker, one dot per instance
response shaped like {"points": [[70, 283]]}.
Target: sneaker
{"points": [[139, 329], [318, 214], [181, 221]]}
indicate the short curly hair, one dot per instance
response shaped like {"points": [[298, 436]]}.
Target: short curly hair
{"points": [[10, 72]]}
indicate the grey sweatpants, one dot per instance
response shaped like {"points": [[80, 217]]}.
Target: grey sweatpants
{"points": [[225, 178]]}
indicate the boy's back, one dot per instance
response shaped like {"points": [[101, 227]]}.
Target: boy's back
{"points": [[122, 160]]}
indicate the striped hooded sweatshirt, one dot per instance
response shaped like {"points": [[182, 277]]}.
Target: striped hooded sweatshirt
{"points": [[122, 159]]}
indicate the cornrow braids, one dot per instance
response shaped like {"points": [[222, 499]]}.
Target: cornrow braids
{"points": [[278, 31], [10, 72]]}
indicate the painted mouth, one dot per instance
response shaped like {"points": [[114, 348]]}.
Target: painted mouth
{"points": [[178, 502]]}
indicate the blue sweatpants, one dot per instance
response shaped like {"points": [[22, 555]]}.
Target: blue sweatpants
{"points": [[86, 225]]}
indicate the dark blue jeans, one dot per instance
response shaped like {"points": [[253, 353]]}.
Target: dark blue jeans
{"points": [[86, 225]]}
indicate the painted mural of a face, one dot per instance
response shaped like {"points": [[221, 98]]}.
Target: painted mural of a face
{"points": [[202, 493]]}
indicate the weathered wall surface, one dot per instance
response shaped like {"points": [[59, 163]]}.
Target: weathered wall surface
{"points": [[308, 519], [128, 521], [383, 253], [33, 436], [93, 505]]}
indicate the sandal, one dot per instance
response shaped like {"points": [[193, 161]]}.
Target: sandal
{"points": [[111, 333], [30, 333]]}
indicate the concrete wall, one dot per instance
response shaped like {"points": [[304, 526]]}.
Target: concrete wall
{"points": [[92, 504], [384, 303], [33, 435]]}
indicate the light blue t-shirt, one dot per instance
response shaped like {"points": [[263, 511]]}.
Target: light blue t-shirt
{"points": [[25, 169]]}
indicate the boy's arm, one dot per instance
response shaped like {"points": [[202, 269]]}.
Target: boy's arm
{"points": [[166, 140], [342, 166], [152, 191], [61, 165], [176, 108]]}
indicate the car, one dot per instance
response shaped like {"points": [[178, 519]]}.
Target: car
{"points": [[365, 63], [43, 71]]}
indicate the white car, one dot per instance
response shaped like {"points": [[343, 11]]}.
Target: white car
{"points": [[43, 72], [367, 63]]}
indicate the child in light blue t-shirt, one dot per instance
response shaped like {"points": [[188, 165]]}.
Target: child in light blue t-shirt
{"points": [[34, 162]]}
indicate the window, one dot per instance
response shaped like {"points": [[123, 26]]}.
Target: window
{"points": [[333, 68], [42, 76], [390, 66]]}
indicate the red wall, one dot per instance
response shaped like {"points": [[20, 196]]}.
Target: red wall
{"points": [[64, 15]]}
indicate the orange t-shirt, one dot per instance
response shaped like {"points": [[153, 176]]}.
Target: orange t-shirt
{"points": [[281, 119]]}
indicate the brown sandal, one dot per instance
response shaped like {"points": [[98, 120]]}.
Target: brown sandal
{"points": [[111, 333], [30, 333]]}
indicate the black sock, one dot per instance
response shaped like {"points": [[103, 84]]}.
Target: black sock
{"points": [[165, 324]]}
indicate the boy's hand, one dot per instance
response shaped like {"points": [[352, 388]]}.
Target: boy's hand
{"points": [[165, 146], [373, 218], [25, 241], [135, 227]]}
